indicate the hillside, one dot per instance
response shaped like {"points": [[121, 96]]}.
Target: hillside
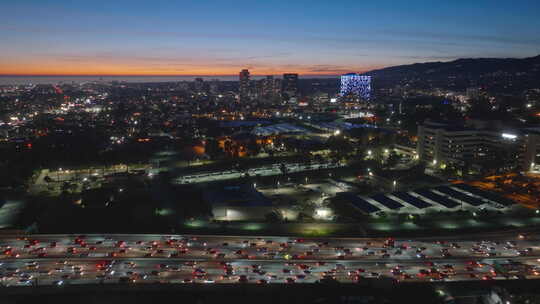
{"points": [[495, 73]]}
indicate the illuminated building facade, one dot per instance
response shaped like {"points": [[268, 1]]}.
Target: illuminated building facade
{"points": [[355, 84]]}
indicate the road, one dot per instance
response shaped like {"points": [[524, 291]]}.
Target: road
{"points": [[111, 259]]}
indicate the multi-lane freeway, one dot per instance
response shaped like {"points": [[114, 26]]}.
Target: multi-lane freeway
{"points": [[106, 259]]}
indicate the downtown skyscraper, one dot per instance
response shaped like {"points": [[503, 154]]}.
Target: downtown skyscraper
{"points": [[290, 86], [243, 87]]}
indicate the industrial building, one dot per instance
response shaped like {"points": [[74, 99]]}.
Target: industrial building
{"points": [[442, 198]]}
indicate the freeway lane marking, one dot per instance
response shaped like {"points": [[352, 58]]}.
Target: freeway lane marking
{"points": [[300, 261]]}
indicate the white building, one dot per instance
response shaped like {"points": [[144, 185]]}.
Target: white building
{"points": [[442, 144]]}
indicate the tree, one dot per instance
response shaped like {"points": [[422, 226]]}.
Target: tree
{"points": [[393, 159], [283, 169], [212, 148], [273, 217], [252, 146]]}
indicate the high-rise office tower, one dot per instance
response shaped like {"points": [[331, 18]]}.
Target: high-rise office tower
{"points": [[358, 85], [268, 86], [290, 86], [199, 85], [243, 87], [214, 87], [277, 87]]}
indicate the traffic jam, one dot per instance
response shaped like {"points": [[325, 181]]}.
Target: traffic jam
{"points": [[101, 259]]}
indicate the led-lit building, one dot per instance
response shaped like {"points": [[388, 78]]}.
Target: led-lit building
{"points": [[243, 88], [355, 84]]}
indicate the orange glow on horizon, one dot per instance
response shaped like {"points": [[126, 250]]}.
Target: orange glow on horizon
{"points": [[125, 69]]}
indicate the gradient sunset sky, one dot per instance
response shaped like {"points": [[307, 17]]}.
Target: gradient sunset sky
{"points": [[184, 37]]}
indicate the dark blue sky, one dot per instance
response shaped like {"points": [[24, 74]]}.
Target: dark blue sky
{"points": [[267, 36]]}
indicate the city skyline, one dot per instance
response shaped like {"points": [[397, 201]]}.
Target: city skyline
{"points": [[202, 38]]}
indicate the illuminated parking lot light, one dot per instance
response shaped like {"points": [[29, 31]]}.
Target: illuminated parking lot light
{"points": [[508, 136], [337, 132], [369, 152]]}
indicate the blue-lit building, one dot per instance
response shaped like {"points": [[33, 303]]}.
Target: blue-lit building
{"points": [[358, 85]]}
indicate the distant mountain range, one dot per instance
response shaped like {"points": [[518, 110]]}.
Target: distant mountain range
{"points": [[510, 73]]}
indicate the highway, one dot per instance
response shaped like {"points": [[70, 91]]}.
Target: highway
{"points": [[138, 259]]}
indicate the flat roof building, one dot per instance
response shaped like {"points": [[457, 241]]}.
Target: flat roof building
{"points": [[477, 142]]}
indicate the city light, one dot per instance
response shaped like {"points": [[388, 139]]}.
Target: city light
{"points": [[509, 136], [356, 84]]}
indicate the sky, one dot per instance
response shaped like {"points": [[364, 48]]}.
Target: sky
{"points": [[309, 37]]}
